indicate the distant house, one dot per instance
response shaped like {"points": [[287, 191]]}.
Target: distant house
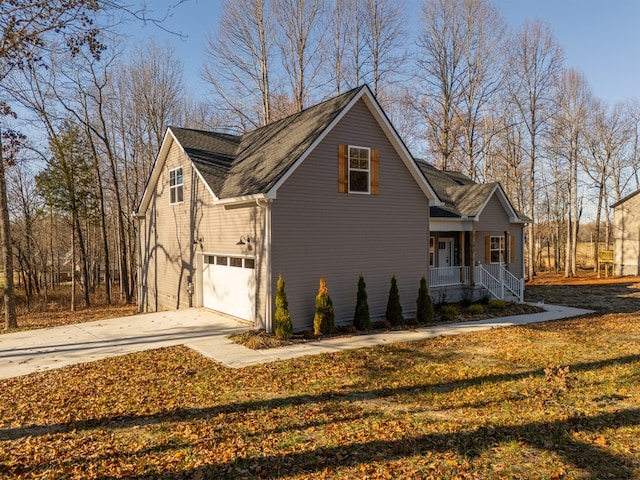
{"points": [[331, 191], [626, 235], [476, 240]]}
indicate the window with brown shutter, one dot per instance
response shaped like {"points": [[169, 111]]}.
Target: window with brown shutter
{"points": [[343, 171], [358, 170], [512, 249], [494, 249], [375, 171]]}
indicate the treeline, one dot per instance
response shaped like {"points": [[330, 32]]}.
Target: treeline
{"points": [[464, 91]]}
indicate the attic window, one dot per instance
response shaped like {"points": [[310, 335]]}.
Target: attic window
{"points": [[176, 183], [358, 170]]}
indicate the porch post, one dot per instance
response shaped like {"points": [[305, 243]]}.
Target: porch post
{"points": [[507, 249], [472, 269], [461, 257]]}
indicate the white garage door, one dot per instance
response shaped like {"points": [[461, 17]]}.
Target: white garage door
{"points": [[229, 285]]}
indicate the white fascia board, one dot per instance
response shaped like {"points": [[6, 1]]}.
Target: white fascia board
{"points": [[204, 182], [401, 149], [451, 224], [504, 201], [391, 134], [239, 202], [156, 169], [274, 190]]}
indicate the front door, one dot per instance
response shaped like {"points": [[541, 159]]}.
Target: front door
{"points": [[445, 252]]}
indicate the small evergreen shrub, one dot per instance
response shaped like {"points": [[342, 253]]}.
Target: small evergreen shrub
{"points": [[324, 320], [282, 319], [394, 309], [361, 317], [497, 304], [424, 303], [475, 309], [448, 312], [467, 297], [485, 299]]}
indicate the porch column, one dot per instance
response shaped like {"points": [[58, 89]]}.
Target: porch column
{"points": [[507, 249], [461, 256], [472, 269]]}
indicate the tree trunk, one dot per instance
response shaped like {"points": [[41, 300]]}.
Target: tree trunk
{"points": [[11, 319]]}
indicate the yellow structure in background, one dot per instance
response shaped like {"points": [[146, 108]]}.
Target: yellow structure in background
{"points": [[605, 257]]}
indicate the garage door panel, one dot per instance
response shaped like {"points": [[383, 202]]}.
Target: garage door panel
{"points": [[229, 289]]}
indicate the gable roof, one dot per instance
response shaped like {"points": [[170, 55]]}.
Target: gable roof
{"points": [[258, 162], [462, 197], [624, 199]]}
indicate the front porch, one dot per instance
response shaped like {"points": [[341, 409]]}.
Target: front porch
{"points": [[452, 276]]}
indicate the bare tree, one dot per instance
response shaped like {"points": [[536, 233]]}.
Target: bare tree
{"points": [[385, 32], [483, 50], [573, 103], [607, 135], [534, 65], [302, 25], [239, 60], [440, 64]]}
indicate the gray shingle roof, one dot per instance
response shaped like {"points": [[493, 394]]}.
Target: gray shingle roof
{"points": [[461, 196], [252, 163]]}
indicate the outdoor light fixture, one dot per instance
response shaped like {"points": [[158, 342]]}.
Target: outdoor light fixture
{"points": [[198, 241], [243, 239]]}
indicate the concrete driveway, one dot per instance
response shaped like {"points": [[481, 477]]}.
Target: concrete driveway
{"points": [[31, 351], [206, 332]]}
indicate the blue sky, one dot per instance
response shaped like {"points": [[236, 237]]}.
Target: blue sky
{"points": [[599, 37]]}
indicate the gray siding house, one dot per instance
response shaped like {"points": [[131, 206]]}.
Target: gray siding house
{"points": [[331, 191], [626, 235]]}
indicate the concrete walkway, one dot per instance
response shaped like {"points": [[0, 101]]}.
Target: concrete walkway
{"points": [[31, 351]]}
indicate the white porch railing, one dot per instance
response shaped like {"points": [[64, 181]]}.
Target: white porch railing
{"points": [[446, 276], [494, 277], [512, 283]]}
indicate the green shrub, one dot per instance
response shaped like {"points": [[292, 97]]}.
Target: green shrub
{"points": [[282, 319], [448, 312], [324, 320], [467, 297], [424, 303], [497, 304], [475, 309], [394, 309], [485, 299], [361, 317]]}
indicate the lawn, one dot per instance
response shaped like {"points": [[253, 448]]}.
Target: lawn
{"points": [[554, 400]]}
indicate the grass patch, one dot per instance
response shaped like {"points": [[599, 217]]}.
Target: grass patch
{"points": [[55, 310], [555, 400]]}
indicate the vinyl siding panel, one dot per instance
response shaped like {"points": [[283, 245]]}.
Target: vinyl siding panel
{"points": [[176, 237], [494, 221], [169, 242], [318, 231], [626, 233]]}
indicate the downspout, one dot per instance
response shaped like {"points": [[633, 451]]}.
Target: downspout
{"points": [[268, 320]]}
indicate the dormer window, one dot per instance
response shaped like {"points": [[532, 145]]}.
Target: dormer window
{"points": [[176, 186]]}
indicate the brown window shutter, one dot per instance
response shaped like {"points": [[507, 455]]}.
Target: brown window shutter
{"points": [[375, 171], [512, 249], [343, 171], [487, 249]]}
